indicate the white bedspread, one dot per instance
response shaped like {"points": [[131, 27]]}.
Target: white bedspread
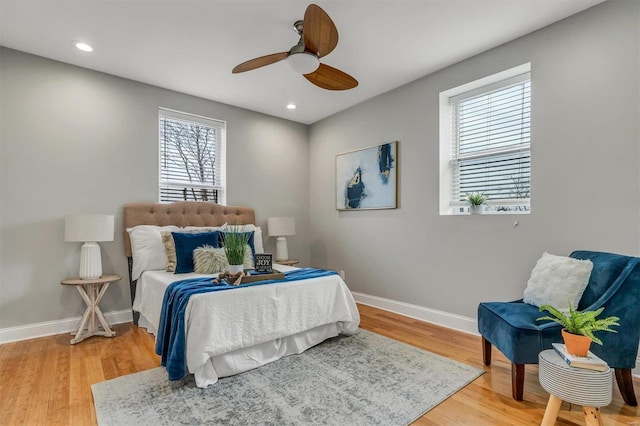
{"points": [[275, 320]]}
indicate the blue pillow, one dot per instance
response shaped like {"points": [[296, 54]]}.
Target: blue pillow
{"points": [[250, 241], [187, 242]]}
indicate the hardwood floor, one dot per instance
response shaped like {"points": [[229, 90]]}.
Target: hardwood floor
{"points": [[48, 381]]}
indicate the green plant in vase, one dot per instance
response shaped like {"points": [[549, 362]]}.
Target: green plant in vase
{"points": [[236, 239], [476, 201]]}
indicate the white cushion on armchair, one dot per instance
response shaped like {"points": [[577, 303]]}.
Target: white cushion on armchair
{"points": [[557, 281]]}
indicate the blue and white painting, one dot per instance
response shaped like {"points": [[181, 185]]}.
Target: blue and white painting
{"points": [[367, 178]]}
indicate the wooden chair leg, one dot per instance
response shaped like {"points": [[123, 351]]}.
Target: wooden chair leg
{"points": [[517, 381], [625, 384], [486, 351]]}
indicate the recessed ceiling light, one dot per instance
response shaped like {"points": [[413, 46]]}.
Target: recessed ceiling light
{"points": [[291, 106], [83, 46]]}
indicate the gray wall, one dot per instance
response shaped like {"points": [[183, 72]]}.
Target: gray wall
{"points": [[78, 141], [585, 171]]}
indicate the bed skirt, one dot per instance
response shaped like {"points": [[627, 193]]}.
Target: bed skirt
{"points": [[246, 359]]}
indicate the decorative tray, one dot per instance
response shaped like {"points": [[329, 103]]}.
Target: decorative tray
{"points": [[249, 276], [252, 276]]}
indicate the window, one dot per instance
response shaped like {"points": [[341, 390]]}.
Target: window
{"points": [[487, 143], [191, 158]]}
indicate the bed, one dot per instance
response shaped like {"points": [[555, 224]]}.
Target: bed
{"points": [[230, 332]]}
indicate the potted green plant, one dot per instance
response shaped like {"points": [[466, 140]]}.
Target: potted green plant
{"points": [[477, 201], [579, 327], [235, 241]]}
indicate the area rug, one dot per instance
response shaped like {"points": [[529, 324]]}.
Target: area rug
{"points": [[363, 379]]}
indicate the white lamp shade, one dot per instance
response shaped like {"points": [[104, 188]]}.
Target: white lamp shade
{"points": [[88, 227], [281, 226]]}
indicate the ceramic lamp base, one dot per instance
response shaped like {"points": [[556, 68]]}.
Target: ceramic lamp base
{"points": [[90, 261], [281, 249]]}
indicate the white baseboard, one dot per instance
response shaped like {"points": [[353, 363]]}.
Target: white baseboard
{"points": [[445, 319], [48, 328]]}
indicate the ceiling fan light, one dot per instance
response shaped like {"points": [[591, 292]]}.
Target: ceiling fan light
{"points": [[303, 62]]}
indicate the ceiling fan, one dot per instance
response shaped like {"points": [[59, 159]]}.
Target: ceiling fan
{"points": [[318, 38]]}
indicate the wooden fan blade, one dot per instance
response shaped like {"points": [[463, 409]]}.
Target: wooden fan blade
{"points": [[319, 31], [331, 78], [260, 62]]}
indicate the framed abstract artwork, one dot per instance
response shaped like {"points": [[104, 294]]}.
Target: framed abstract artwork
{"points": [[367, 178]]}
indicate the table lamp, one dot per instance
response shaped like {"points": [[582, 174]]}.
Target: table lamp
{"points": [[89, 228], [280, 227]]}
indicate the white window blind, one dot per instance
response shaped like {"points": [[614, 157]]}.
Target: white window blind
{"points": [[191, 158], [491, 149]]}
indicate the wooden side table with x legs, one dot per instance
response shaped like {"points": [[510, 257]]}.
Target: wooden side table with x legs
{"points": [[91, 292]]}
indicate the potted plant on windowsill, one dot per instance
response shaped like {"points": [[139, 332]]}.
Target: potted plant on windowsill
{"points": [[235, 242], [477, 201], [579, 327]]}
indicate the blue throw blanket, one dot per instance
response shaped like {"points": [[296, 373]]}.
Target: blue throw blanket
{"points": [[171, 338]]}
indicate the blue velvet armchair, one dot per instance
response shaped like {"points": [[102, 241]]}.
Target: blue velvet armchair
{"points": [[614, 283]]}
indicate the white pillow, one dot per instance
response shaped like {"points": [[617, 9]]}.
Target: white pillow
{"points": [[558, 281], [147, 249], [248, 257], [257, 237], [202, 228]]}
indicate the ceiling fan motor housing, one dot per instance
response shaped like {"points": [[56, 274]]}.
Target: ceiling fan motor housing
{"points": [[300, 59]]}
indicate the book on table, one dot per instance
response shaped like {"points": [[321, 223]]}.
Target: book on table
{"points": [[590, 362]]}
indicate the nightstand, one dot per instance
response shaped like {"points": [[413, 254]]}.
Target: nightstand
{"points": [[289, 262], [91, 292]]}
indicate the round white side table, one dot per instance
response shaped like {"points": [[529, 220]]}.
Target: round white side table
{"points": [[589, 388]]}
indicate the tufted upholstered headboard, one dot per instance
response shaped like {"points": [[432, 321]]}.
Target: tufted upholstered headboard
{"points": [[184, 213]]}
